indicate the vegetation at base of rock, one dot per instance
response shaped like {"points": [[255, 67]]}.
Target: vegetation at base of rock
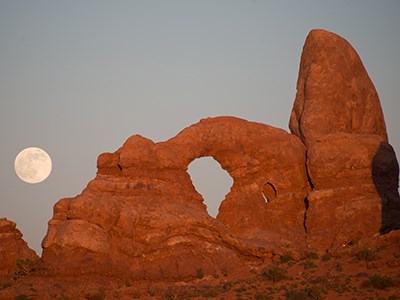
{"points": [[339, 268], [378, 282], [308, 264], [128, 283], [309, 255], [170, 295], [275, 274], [96, 297], [367, 255], [286, 258], [314, 292], [5, 285], [200, 273], [24, 267], [326, 257]]}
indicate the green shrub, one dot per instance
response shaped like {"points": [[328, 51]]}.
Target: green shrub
{"points": [[286, 258], [367, 255], [24, 267], [314, 292], [308, 264], [227, 285], [151, 291], [96, 297], [260, 296], [378, 282], [326, 257], [128, 282], [275, 274], [136, 296], [339, 268], [296, 295], [200, 273], [5, 285], [310, 255]]}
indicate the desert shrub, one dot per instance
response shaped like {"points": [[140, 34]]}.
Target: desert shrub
{"points": [[200, 273], [367, 255], [260, 296], [21, 297], [151, 291], [378, 282], [170, 295], [296, 295], [326, 257], [314, 292], [136, 296], [128, 282], [275, 273], [227, 285], [210, 294], [286, 258], [310, 255], [96, 297], [5, 285], [24, 267], [339, 268], [308, 264]]}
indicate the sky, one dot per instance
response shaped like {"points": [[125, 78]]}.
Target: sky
{"points": [[77, 78]]}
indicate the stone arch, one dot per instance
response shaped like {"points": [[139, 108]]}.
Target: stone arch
{"points": [[211, 181]]}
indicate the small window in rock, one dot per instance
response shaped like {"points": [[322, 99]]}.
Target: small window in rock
{"points": [[268, 192]]}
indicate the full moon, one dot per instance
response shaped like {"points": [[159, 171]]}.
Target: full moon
{"points": [[33, 165]]}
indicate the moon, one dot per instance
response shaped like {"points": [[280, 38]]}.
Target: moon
{"points": [[33, 165]]}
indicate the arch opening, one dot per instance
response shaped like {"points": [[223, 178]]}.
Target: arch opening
{"points": [[210, 181]]}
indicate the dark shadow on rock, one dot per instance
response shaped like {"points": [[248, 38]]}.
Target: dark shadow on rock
{"points": [[385, 175]]}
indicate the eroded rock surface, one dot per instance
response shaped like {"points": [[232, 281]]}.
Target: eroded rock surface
{"points": [[352, 168], [142, 216], [12, 247], [334, 92]]}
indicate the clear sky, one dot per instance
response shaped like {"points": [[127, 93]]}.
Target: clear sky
{"points": [[77, 78]]}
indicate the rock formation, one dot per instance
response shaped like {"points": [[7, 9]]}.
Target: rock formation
{"points": [[12, 248], [337, 114], [331, 182], [142, 216], [334, 92]]}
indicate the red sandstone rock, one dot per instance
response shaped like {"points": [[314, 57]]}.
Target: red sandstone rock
{"points": [[353, 171], [334, 92], [12, 247], [142, 217]]}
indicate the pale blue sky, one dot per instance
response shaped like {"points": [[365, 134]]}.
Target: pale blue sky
{"points": [[77, 78]]}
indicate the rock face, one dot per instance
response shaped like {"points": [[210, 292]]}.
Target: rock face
{"points": [[12, 247], [338, 116], [141, 216], [334, 92]]}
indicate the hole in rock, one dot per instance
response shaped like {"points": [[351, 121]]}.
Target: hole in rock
{"points": [[211, 181]]}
